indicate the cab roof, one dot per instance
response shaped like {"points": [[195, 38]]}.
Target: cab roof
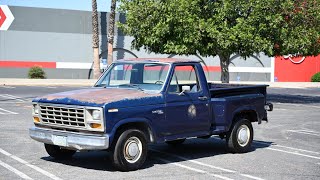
{"points": [[158, 60]]}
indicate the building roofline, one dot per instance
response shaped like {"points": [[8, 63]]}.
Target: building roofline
{"points": [[160, 60]]}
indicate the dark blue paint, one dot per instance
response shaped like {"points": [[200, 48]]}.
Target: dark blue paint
{"points": [[68, 101], [214, 115]]}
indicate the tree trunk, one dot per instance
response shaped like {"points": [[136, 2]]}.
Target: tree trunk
{"points": [[110, 53], [111, 31], [224, 64], [95, 41], [96, 63]]}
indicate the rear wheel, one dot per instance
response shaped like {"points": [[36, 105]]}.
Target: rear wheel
{"points": [[130, 150], [58, 153], [239, 138], [176, 142]]}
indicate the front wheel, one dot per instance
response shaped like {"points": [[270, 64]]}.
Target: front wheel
{"points": [[58, 152], [130, 151], [239, 138]]}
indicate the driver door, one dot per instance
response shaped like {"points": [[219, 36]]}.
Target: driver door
{"points": [[186, 112]]}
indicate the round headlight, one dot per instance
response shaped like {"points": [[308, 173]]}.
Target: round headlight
{"points": [[96, 115]]}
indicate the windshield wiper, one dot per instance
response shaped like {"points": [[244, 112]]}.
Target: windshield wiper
{"points": [[100, 85], [132, 86]]}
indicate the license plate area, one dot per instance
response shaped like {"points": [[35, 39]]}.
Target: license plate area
{"points": [[59, 140]]}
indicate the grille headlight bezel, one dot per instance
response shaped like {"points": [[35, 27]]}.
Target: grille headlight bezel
{"points": [[93, 117]]}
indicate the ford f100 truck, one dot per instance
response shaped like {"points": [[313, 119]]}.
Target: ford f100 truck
{"points": [[141, 101]]}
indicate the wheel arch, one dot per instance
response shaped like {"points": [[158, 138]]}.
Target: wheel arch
{"points": [[249, 113], [140, 124]]}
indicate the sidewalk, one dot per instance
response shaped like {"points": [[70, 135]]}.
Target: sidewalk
{"points": [[46, 82], [90, 82]]}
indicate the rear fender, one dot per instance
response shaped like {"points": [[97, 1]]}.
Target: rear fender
{"points": [[242, 111]]}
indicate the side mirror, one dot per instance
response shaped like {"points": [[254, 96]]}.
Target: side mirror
{"points": [[185, 89]]}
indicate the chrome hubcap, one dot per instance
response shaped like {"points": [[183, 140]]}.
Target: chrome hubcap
{"points": [[243, 135], [132, 149]]}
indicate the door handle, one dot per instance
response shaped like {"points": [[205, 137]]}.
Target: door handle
{"points": [[203, 98]]}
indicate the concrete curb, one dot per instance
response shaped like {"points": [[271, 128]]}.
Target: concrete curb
{"points": [[91, 82], [285, 84], [47, 82]]}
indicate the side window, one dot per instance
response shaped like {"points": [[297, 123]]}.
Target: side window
{"points": [[184, 76]]}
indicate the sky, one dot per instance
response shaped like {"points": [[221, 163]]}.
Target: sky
{"points": [[103, 5]]}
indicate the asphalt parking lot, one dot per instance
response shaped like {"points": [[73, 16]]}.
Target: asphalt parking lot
{"points": [[288, 147]]}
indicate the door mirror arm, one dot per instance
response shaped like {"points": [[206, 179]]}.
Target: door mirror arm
{"points": [[185, 89], [182, 93]]}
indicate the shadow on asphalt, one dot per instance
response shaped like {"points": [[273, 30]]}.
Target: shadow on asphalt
{"points": [[192, 149], [293, 99]]}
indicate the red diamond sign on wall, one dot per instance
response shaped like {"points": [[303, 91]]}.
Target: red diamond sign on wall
{"points": [[6, 17]]}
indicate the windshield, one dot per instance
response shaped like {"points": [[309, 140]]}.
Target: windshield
{"points": [[141, 76]]}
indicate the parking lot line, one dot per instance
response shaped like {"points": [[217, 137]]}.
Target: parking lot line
{"points": [[295, 153], [12, 97], [7, 112], [30, 165], [208, 165], [289, 152], [303, 132], [310, 131], [14, 170], [193, 169], [287, 147], [299, 105], [284, 151]]}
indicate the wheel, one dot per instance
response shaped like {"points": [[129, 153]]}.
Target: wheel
{"points": [[130, 151], [176, 142], [58, 152], [239, 138]]}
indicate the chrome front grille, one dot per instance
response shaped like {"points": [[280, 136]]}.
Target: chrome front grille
{"points": [[62, 116]]}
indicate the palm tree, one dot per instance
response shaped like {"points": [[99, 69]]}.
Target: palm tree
{"points": [[95, 40], [111, 30]]}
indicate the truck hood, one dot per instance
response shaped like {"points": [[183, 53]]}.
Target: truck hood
{"points": [[98, 97]]}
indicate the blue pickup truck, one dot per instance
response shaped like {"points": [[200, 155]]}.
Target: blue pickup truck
{"points": [[141, 101]]}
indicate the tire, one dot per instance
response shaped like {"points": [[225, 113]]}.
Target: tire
{"points": [[240, 136], [58, 152], [175, 142], [130, 150]]}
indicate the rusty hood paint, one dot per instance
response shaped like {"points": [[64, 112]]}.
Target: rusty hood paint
{"points": [[98, 97]]}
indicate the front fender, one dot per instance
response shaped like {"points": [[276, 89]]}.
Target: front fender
{"points": [[128, 121]]}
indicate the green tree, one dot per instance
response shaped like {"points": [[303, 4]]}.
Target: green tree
{"points": [[95, 40], [111, 30], [223, 27]]}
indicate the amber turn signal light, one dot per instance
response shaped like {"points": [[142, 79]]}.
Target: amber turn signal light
{"points": [[36, 119], [95, 125]]}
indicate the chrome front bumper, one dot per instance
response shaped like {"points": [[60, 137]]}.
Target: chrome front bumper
{"points": [[72, 140]]}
